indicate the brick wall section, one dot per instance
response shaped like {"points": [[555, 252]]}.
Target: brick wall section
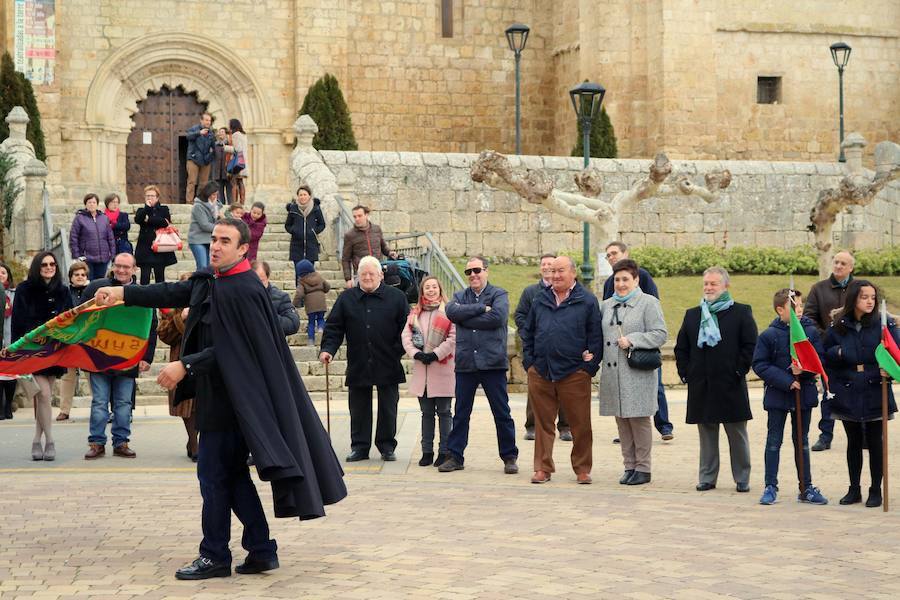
{"points": [[767, 204]]}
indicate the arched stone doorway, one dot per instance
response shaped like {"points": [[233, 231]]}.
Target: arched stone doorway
{"points": [[157, 145]]}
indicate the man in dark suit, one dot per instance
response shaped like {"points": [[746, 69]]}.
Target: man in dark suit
{"points": [[713, 354]]}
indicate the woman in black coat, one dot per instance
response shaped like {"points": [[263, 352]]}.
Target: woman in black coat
{"points": [[39, 298], [150, 217], [304, 222], [119, 222], [855, 379]]}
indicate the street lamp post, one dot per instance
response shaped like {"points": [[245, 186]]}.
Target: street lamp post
{"points": [[586, 99], [517, 36], [840, 54]]}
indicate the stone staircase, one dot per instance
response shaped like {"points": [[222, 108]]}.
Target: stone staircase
{"points": [[273, 248]]}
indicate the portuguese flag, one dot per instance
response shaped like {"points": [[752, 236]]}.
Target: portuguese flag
{"points": [[89, 337], [803, 354], [888, 354]]}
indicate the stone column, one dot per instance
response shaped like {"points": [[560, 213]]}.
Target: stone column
{"points": [[33, 214], [853, 146], [887, 158]]}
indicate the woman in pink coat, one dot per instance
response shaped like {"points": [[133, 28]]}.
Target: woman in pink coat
{"points": [[429, 338]]}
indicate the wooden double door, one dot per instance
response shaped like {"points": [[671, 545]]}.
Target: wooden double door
{"points": [[156, 152]]}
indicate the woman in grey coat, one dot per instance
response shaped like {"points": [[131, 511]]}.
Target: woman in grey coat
{"points": [[632, 320], [203, 219]]}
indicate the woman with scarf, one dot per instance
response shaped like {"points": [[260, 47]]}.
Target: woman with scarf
{"points": [[304, 222], [8, 383], [119, 222], [713, 354], [39, 298], [632, 320], [429, 338]]}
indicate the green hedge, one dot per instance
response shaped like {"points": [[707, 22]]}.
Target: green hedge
{"points": [[664, 262]]}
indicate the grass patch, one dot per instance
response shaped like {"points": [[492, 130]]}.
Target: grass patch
{"points": [[683, 292]]}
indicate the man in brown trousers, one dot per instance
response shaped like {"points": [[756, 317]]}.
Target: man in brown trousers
{"points": [[562, 343]]}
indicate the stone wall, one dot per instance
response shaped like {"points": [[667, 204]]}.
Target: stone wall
{"points": [[767, 204]]}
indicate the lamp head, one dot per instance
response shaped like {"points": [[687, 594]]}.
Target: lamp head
{"points": [[840, 54], [587, 98], [517, 36]]}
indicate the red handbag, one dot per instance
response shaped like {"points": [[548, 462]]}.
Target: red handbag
{"points": [[167, 239]]}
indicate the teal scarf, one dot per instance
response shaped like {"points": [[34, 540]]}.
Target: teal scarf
{"points": [[709, 323], [625, 298]]}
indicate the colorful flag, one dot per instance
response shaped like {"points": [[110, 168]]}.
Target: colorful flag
{"points": [[89, 337], [888, 354], [803, 354]]}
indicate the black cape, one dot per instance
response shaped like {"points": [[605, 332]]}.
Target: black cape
{"points": [[274, 411]]}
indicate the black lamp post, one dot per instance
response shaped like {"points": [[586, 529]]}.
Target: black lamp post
{"points": [[840, 54], [517, 36], [586, 99]]}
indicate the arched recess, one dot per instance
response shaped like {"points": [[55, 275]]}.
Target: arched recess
{"points": [[195, 62]]}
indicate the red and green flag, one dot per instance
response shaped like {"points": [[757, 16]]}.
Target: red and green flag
{"points": [[888, 354], [803, 354], [89, 337]]}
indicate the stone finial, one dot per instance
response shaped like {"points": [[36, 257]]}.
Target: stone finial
{"points": [[853, 146], [887, 157], [35, 168], [304, 130], [18, 121]]}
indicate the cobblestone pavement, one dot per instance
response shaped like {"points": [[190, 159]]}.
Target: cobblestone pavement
{"points": [[118, 528]]}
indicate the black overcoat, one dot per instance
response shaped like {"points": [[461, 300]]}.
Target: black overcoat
{"points": [[272, 406], [717, 387], [34, 305], [372, 324], [304, 231], [149, 219]]}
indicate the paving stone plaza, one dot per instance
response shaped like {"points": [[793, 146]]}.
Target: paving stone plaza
{"points": [[118, 528]]}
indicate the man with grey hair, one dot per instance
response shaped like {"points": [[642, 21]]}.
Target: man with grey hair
{"points": [[823, 298], [371, 317], [713, 354]]}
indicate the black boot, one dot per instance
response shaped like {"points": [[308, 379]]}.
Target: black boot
{"points": [[427, 459], [854, 496], [874, 498], [3, 402]]}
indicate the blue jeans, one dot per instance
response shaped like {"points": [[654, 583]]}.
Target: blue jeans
{"points": [[826, 423], [494, 385], [201, 254], [661, 418], [97, 270], [316, 321], [106, 389], [774, 437], [225, 486]]}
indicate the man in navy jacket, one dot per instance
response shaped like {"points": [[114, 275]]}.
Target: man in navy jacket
{"points": [[480, 313], [200, 152]]}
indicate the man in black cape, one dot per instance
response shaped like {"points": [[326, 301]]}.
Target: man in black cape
{"points": [[249, 396]]}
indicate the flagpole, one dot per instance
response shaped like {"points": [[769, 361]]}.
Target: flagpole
{"points": [[798, 414], [884, 422]]}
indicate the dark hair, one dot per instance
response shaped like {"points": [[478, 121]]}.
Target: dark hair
{"points": [[308, 191], [235, 125], [783, 295], [206, 113], [361, 207], [34, 271], [209, 188], [548, 255], [623, 248], [849, 308], [109, 198], [259, 205], [626, 264], [10, 282], [484, 261], [89, 196], [265, 267], [240, 225]]}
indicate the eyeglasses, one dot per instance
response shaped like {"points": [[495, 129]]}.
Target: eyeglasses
{"points": [[121, 266], [475, 270], [48, 264]]}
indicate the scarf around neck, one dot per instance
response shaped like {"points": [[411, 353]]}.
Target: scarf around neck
{"points": [[113, 216], [709, 323], [626, 297]]}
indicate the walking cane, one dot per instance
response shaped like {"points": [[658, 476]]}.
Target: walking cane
{"points": [[884, 442], [798, 419], [327, 399]]}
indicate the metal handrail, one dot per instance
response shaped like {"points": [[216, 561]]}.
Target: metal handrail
{"points": [[430, 257], [343, 222], [57, 241]]}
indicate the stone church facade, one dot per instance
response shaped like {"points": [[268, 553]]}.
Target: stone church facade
{"points": [[682, 76]]}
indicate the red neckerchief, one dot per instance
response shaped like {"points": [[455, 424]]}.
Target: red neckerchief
{"points": [[241, 267]]}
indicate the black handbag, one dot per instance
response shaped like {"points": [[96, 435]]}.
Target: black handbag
{"points": [[644, 360]]}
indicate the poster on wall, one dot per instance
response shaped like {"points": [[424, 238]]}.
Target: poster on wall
{"points": [[35, 34]]}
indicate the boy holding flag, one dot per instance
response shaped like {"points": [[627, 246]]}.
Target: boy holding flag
{"points": [[786, 359]]}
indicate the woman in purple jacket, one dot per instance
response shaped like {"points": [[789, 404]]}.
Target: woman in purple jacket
{"points": [[91, 238]]}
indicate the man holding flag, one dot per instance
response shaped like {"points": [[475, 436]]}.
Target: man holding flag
{"points": [[786, 359]]}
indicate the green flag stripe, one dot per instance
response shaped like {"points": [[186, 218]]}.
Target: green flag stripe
{"points": [[887, 362]]}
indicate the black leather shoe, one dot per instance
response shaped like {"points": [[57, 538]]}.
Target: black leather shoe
{"points": [[872, 501], [565, 435], [203, 568], [705, 487], [626, 476], [742, 487], [357, 455], [821, 444], [639, 478], [250, 567], [389, 457], [853, 496]]}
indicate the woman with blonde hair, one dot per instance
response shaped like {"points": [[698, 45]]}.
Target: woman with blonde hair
{"points": [[429, 338]]}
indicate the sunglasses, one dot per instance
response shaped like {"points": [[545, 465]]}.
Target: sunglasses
{"points": [[475, 270], [49, 264]]}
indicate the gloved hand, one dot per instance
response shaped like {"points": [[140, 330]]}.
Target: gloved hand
{"points": [[420, 356], [429, 358]]}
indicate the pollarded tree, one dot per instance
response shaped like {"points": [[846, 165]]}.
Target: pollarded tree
{"points": [[325, 103], [34, 133], [603, 138], [11, 92]]}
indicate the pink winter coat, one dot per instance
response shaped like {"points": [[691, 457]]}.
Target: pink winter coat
{"points": [[439, 378]]}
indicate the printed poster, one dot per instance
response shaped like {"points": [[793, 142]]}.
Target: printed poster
{"points": [[35, 36]]}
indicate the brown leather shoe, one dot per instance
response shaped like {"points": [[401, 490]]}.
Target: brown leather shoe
{"points": [[62, 416], [540, 477], [95, 451], [584, 478], [124, 451]]}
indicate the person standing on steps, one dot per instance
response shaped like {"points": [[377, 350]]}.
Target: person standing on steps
{"points": [[200, 153], [204, 214], [239, 146], [304, 222], [824, 298], [365, 239], [520, 316], [151, 216], [91, 238]]}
